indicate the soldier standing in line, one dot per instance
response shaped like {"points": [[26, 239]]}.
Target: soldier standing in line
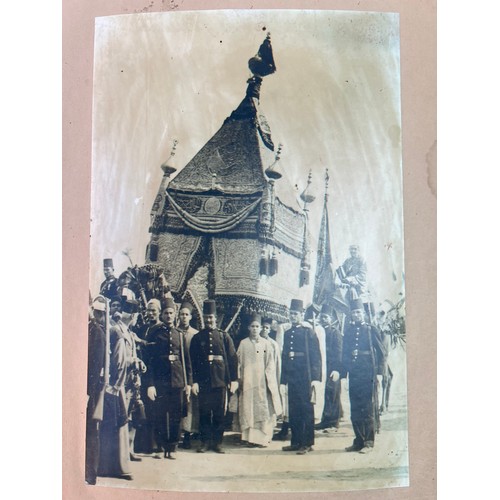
{"points": [[215, 367], [301, 370], [168, 376], [190, 421], [363, 357], [332, 412], [109, 286], [95, 386], [145, 439]]}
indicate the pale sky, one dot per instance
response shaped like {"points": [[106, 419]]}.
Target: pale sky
{"points": [[333, 102]]}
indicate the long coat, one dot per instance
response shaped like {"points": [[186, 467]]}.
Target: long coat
{"points": [[259, 397], [190, 423], [95, 368], [363, 358], [301, 364], [114, 450]]}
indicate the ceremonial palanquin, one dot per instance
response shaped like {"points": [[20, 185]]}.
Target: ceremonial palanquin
{"points": [[218, 229]]}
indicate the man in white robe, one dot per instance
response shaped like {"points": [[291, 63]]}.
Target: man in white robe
{"points": [[259, 401]]}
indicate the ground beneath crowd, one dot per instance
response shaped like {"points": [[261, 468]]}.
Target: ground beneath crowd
{"points": [[328, 468]]}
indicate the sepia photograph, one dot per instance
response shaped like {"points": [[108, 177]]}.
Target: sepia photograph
{"points": [[247, 304]]}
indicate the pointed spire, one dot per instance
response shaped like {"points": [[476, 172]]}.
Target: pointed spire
{"points": [[167, 169]]}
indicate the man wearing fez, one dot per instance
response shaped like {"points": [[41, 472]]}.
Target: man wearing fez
{"points": [[168, 376], [135, 367], [95, 386], [190, 421], [145, 439], [301, 371], [215, 367], [109, 286], [332, 411], [116, 436], [363, 357]]}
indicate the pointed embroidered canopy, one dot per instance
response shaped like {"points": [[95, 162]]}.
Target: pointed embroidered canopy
{"points": [[231, 162]]}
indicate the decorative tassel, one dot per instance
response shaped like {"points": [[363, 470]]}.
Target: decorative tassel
{"points": [[304, 276], [273, 264], [264, 263], [153, 252]]}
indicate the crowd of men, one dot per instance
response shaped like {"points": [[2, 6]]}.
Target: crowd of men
{"points": [[159, 383]]}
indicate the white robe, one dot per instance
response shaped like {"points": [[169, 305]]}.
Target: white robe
{"points": [[259, 401]]}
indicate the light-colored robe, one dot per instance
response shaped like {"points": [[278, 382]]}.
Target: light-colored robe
{"points": [[259, 401], [191, 422]]}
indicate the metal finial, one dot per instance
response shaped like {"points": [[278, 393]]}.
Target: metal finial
{"points": [[305, 196], [270, 171], [327, 180], [167, 169]]}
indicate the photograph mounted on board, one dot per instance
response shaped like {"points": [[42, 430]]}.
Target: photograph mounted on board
{"points": [[246, 297]]}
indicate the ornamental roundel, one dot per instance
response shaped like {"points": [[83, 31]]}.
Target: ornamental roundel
{"points": [[212, 206]]}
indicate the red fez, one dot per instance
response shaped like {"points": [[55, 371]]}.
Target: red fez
{"points": [[256, 317], [187, 305], [168, 303], [107, 263], [357, 304], [297, 305], [209, 307]]}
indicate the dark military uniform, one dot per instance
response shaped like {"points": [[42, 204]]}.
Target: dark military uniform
{"points": [[95, 386], [109, 287], [145, 441], [169, 371], [298, 340], [215, 365], [332, 411], [362, 358]]}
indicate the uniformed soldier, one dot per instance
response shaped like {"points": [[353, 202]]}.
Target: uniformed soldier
{"points": [[145, 438], [301, 371], [168, 375], [109, 286], [363, 358], [332, 411], [215, 367]]}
